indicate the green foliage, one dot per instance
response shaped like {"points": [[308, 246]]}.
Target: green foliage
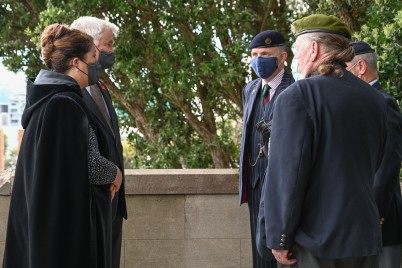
{"points": [[10, 155], [179, 74], [5, 137], [179, 69], [181, 65], [10, 161], [383, 32], [379, 24]]}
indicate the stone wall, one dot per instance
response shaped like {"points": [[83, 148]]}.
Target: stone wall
{"points": [[177, 219]]}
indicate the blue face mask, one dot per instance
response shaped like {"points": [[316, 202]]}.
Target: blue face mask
{"points": [[264, 67]]}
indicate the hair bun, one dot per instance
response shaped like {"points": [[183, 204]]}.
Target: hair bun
{"points": [[48, 39], [59, 43]]}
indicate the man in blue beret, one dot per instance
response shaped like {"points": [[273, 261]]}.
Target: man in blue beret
{"points": [[268, 60], [387, 188], [327, 141]]}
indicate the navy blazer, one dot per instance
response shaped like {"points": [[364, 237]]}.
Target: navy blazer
{"points": [[249, 98], [327, 141], [114, 141], [387, 188]]}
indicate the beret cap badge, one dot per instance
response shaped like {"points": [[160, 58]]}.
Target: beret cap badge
{"points": [[268, 41]]}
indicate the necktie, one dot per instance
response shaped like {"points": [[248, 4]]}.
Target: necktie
{"points": [[266, 96], [97, 97]]}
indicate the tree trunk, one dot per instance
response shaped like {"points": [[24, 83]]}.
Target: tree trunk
{"points": [[220, 158], [136, 111]]}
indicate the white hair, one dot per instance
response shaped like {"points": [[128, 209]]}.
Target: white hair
{"points": [[94, 27], [370, 58]]}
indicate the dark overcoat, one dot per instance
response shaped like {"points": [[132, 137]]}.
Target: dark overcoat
{"points": [[113, 139], [56, 218], [327, 142], [387, 188], [249, 99]]}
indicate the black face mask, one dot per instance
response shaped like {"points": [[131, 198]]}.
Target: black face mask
{"points": [[93, 74], [106, 59]]}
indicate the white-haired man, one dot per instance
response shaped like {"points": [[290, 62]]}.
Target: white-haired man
{"points": [[99, 101], [327, 141]]}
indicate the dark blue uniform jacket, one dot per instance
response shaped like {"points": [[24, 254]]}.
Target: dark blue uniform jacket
{"points": [[327, 142]]}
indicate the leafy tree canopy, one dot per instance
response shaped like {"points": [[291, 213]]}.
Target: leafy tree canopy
{"points": [[181, 65]]}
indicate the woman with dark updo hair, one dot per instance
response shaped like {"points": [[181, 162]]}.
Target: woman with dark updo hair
{"points": [[60, 211]]}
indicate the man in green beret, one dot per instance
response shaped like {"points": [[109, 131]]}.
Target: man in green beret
{"points": [[327, 142]]}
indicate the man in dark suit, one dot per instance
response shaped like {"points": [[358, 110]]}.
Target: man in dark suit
{"points": [[327, 141], [99, 102], [268, 59], [387, 188]]}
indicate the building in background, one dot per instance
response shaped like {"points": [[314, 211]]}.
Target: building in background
{"points": [[16, 107], [12, 105], [4, 116], [11, 108]]}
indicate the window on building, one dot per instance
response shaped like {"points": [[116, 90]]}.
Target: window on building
{"points": [[3, 108], [4, 119]]}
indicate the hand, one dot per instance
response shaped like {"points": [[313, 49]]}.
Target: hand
{"points": [[115, 185], [282, 256], [264, 127]]}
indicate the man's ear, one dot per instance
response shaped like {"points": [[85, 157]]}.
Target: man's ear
{"points": [[362, 65], [284, 56], [315, 48]]}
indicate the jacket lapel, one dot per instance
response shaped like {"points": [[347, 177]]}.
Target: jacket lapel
{"points": [[110, 108], [94, 108], [253, 90]]}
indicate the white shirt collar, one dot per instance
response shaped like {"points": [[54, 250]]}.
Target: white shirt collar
{"points": [[275, 82]]}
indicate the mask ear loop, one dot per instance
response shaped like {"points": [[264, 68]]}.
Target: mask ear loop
{"points": [[78, 69], [293, 49], [353, 66], [100, 51], [73, 66]]}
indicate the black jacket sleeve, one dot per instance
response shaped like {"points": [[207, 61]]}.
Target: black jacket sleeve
{"points": [[387, 176]]}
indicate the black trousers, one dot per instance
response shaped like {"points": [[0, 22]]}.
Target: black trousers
{"points": [[117, 231], [390, 257], [254, 196], [306, 260]]}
